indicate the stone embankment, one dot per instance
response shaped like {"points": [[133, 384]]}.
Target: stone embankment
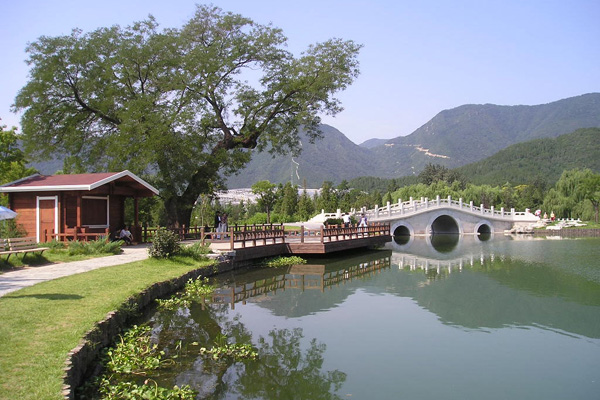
{"points": [[567, 232]]}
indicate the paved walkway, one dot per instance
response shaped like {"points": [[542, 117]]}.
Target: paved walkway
{"points": [[29, 276]]}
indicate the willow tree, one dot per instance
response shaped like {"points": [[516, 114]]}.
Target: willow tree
{"points": [[185, 105]]}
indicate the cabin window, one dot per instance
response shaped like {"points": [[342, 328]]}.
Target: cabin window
{"points": [[94, 211]]}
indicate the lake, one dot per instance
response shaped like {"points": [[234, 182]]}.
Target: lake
{"points": [[448, 317]]}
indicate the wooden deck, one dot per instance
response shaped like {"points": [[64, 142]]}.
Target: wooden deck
{"points": [[253, 244]]}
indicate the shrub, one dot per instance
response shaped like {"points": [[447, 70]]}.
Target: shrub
{"points": [[164, 244], [333, 221], [196, 251], [100, 246]]}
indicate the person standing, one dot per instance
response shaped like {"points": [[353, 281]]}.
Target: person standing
{"points": [[224, 225], [217, 224], [346, 219], [363, 221]]}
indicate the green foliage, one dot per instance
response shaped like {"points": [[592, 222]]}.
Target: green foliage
{"points": [[134, 353], [165, 244], [267, 196], [194, 291], [541, 160], [12, 159], [281, 261], [575, 195], [196, 251], [222, 350], [333, 221], [148, 391], [10, 229], [142, 98], [100, 246]]}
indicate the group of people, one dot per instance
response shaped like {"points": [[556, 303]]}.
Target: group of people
{"points": [[538, 213], [362, 223], [221, 224]]}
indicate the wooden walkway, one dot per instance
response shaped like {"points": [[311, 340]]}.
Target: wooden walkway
{"points": [[252, 244], [249, 242]]}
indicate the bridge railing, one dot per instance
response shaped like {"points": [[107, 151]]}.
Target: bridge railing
{"points": [[413, 206]]}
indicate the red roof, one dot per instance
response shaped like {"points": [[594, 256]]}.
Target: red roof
{"points": [[73, 182]]}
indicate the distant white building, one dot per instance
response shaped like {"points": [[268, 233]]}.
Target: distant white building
{"points": [[236, 196]]}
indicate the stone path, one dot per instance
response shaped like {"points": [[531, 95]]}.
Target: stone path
{"points": [[29, 276]]}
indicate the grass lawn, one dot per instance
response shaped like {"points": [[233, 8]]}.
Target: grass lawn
{"points": [[39, 325]]}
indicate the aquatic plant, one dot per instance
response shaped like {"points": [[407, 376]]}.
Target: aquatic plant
{"points": [[282, 261], [195, 290]]}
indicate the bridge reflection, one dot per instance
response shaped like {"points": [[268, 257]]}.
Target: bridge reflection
{"points": [[297, 277]]}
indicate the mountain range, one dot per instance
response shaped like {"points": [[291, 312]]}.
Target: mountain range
{"points": [[452, 138]]}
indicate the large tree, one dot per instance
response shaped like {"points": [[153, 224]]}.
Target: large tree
{"points": [[13, 164], [183, 104]]}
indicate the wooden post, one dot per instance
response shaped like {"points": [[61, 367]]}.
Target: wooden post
{"points": [[231, 241], [78, 212], [302, 234], [136, 220]]}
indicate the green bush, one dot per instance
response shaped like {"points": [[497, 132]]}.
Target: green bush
{"points": [[100, 246], [164, 244], [333, 221], [196, 251]]}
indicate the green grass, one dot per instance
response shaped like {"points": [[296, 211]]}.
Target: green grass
{"points": [[79, 251], [39, 325]]}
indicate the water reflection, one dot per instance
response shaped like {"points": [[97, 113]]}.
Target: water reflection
{"points": [[298, 277], [286, 368], [530, 305], [444, 243]]}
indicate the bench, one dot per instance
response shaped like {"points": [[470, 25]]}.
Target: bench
{"points": [[20, 245]]}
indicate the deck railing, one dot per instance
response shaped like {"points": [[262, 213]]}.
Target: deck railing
{"points": [[76, 234], [262, 235]]}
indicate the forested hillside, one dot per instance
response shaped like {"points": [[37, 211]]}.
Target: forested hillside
{"points": [[541, 159], [473, 132], [332, 158]]}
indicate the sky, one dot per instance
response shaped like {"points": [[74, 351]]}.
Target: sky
{"points": [[420, 57]]}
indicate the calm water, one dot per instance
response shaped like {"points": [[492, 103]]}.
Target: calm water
{"points": [[459, 319]]}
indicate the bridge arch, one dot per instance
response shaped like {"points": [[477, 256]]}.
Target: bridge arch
{"points": [[484, 227], [444, 223], [402, 228]]}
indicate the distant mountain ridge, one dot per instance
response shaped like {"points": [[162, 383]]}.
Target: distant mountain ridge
{"points": [[452, 138], [470, 133]]}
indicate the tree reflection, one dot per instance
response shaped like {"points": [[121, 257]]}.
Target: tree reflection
{"points": [[285, 371]]}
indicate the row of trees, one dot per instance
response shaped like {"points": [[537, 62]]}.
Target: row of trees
{"points": [[575, 195]]}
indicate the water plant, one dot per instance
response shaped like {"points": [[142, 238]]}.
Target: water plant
{"points": [[134, 353], [194, 290], [223, 350], [282, 261], [148, 391]]}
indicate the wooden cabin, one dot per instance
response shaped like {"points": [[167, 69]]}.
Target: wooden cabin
{"points": [[76, 207]]}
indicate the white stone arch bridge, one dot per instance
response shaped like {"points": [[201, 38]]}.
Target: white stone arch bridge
{"points": [[427, 217]]}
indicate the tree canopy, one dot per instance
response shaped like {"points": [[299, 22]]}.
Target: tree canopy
{"points": [[183, 104], [13, 164]]}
